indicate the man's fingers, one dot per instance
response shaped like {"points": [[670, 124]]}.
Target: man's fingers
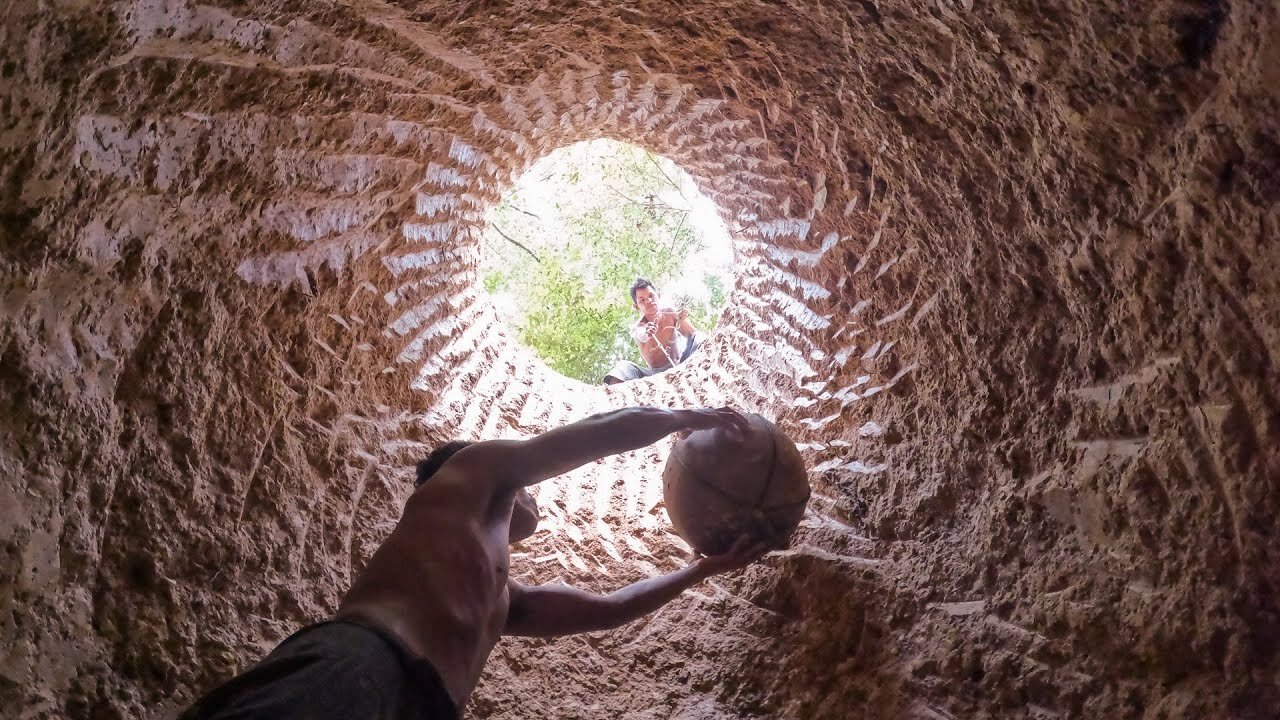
{"points": [[727, 419], [738, 420], [746, 550], [733, 421]]}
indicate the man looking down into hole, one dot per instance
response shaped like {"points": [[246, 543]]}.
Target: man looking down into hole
{"points": [[655, 333], [414, 631]]}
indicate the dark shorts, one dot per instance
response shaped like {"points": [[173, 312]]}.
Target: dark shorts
{"points": [[331, 670], [625, 370]]}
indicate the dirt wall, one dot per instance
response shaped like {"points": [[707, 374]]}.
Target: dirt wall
{"points": [[1007, 274]]}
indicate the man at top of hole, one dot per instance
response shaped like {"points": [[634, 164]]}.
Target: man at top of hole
{"points": [[412, 634], [655, 333]]}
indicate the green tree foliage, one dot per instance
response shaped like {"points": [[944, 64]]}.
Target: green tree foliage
{"points": [[561, 275]]}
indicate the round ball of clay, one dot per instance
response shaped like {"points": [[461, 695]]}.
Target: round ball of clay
{"points": [[717, 490]]}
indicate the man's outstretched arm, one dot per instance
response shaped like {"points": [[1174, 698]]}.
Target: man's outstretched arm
{"points": [[526, 462], [555, 610]]}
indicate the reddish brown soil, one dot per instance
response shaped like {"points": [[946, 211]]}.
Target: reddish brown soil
{"points": [[1008, 273]]}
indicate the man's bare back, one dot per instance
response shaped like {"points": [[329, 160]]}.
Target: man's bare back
{"points": [[439, 582], [412, 635], [440, 585]]}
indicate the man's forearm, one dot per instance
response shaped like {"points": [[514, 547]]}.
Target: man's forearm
{"points": [[558, 610], [630, 428], [615, 432], [565, 448], [641, 598]]}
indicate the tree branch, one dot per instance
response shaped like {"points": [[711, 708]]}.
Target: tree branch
{"points": [[654, 160], [617, 192], [515, 242], [675, 236], [652, 205]]}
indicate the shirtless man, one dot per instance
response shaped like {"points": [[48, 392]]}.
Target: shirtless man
{"points": [[413, 633], [655, 333]]}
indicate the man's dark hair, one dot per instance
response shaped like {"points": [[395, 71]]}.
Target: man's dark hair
{"points": [[428, 466], [635, 287]]}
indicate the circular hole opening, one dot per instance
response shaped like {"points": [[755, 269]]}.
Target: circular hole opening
{"points": [[570, 240]]}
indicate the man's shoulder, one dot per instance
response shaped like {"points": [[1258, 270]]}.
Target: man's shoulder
{"points": [[481, 456], [479, 462]]}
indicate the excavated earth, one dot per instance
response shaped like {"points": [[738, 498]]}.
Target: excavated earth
{"points": [[1007, 274]]}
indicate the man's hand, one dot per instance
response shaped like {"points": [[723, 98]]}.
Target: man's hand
{"points": [[725, 418], [745, 551], [643, 331]]}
